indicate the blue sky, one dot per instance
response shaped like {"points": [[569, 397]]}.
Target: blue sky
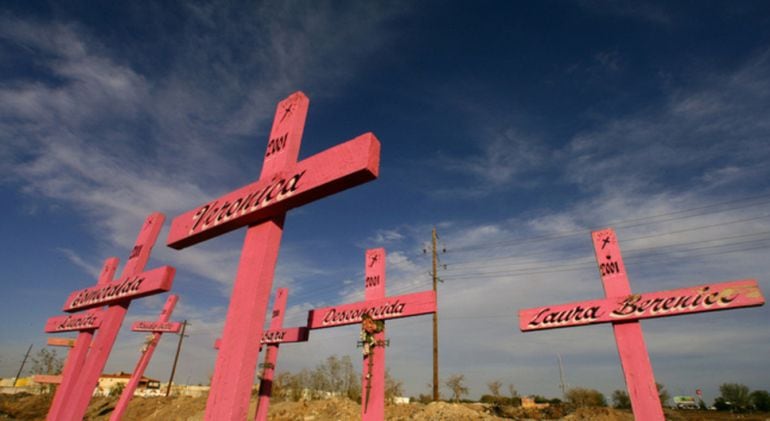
{"points": [[514, 128]]}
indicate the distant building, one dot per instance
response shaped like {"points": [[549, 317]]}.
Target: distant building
{"points": [[110, 382], [529, 402]]}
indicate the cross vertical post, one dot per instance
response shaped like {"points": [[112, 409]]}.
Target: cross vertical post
{"points": [[632, 349], [373, 379], [271, 356]]}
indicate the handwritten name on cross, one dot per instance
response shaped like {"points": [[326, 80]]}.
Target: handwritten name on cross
{"points": [[76, 358], [157, 328], [624, 310], [273, 337], [378, 307], [283, 184], [117, 295]]}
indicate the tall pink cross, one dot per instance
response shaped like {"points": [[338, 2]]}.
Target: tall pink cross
{"points": [[283, 184], [378, 307], [117, 296], [272, 338], [73, 366], [157, 328], [624, 309]]}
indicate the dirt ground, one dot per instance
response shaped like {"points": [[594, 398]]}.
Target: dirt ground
{"points": [[34, 408]]}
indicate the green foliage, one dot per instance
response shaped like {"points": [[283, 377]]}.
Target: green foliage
{"points": [[118, 389], [735, 395], [581, 397], [620, 400], [760, 399], [662, 394]]}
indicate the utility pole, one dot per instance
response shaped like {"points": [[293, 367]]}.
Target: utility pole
{"points": [[22, 365], [176, 358], [435, 318], [561, 377]]}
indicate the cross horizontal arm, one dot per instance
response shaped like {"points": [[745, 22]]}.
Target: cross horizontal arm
{"points": [[68, 342], [74, 322], [124, 289], [381, 309], [333, 170], [155, 326], [289, 334], [697, 299]]}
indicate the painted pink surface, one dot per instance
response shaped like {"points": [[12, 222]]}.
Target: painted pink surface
{"points": [[68, 342], [271, 354], [283, 184], [73, 322], [373, 373], [164, 327], [331, 171], [75, 361], [381, 309], [697, 299], [127, 288], [144, 360], [46, 379], [632, 350], [113, 318]]}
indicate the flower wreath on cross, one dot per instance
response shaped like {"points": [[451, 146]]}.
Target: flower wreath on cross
{"points": [[369, 328]]}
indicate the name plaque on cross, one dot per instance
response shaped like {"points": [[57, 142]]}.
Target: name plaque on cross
{"points": [[698, 299], [406, 305], [165, 327], [129, 287], [74, 322]]}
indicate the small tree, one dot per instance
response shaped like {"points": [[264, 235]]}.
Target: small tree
{"points": [[620, 400], [47, 362], [581, 397], [761, 400], [494, 387], [736, 395], [393, 387], [455, 384]]}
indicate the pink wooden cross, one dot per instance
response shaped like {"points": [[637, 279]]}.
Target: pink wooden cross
{"points": [[272, 338], [624, 309], [283, 184], [162, 325], [55, 379], [117, 295], [379, 307], [73, 366]]}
